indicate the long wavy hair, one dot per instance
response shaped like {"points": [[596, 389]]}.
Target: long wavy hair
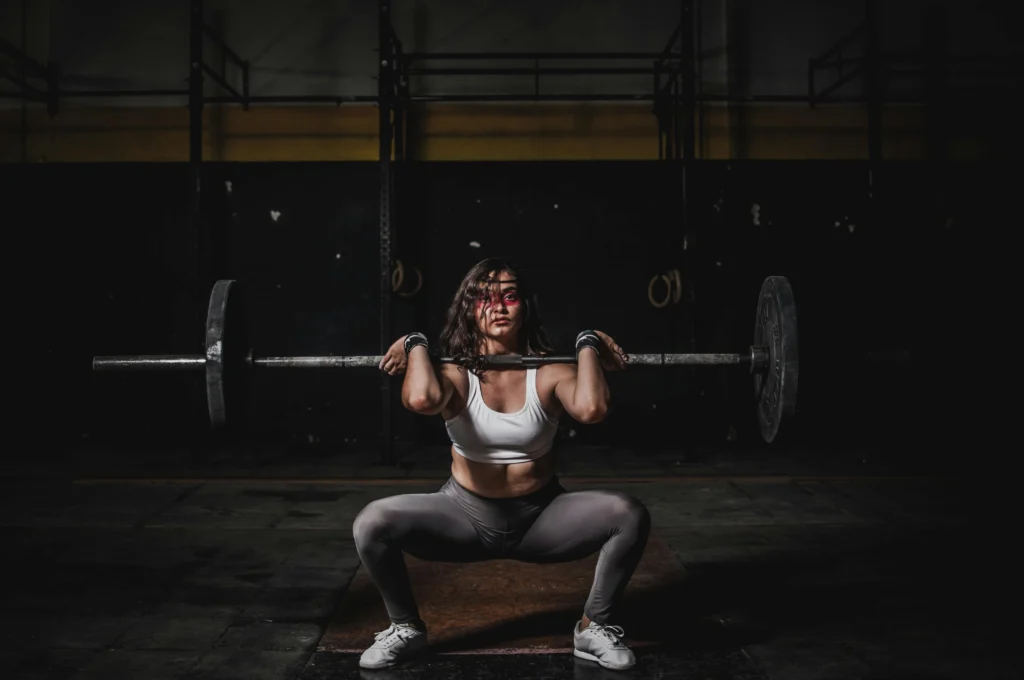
{"points": [[461, 337]]}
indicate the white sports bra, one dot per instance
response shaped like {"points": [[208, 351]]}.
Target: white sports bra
{"points": [[487, 436]]}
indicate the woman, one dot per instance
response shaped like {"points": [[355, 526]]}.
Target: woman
{"points": [[503, 499]]}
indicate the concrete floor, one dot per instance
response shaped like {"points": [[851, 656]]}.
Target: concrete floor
{"points": [[160, 565]]}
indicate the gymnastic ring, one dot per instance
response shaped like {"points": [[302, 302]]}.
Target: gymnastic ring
{"points": [[650, 291], [419, 283], [397, 276]]}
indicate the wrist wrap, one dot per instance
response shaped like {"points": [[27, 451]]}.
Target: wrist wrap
{"points": [[414, 339], [587, 339]]}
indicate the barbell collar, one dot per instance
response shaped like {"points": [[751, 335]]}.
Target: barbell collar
{"points": [[758, 358]]}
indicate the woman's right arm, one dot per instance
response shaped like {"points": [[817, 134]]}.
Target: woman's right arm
{"points": [[425, 390]]}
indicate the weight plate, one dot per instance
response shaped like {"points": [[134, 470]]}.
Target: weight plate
{"points": [[226, 354], [776, 328]]}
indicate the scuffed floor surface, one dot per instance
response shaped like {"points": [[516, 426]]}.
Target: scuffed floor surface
{"points": [[783, 578]]}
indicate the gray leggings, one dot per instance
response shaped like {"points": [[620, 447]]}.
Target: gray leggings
{"points": [[454, 524]]}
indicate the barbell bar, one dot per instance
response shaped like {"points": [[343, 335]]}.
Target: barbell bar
{"points": [[756, 358], [772, 358]]}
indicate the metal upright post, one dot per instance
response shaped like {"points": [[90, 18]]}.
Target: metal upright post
{"points": [[384, 92], [195, 87], [937, 104], [687, 67], [873, 80], [23, 75], [687, 82], [401, 108], [688, 78], [657, 109], [738, 38], [195, 146]]}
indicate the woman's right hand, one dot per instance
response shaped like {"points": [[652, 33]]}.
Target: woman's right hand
{"points": [[394, 360]]}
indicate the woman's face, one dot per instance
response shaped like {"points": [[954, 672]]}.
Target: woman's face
{"points": [[499, 312]]}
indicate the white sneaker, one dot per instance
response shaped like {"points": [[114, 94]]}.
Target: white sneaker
{"points": [[602, 644], [397, 643]]}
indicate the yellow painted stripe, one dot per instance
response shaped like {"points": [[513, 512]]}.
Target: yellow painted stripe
{"points": [[520, 131]]}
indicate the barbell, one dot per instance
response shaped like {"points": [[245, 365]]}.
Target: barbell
{"points": [[772, 358]]}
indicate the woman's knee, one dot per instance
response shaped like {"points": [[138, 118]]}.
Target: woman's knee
{"points": [[375, 522], [628, 511]]}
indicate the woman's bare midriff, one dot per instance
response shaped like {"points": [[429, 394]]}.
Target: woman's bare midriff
{"points": [[502, 481]]}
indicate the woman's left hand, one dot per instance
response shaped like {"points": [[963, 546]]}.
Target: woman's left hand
{"points": [[613, 358]]}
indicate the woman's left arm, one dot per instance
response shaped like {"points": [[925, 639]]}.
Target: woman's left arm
{"points": [[583, 390]]}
